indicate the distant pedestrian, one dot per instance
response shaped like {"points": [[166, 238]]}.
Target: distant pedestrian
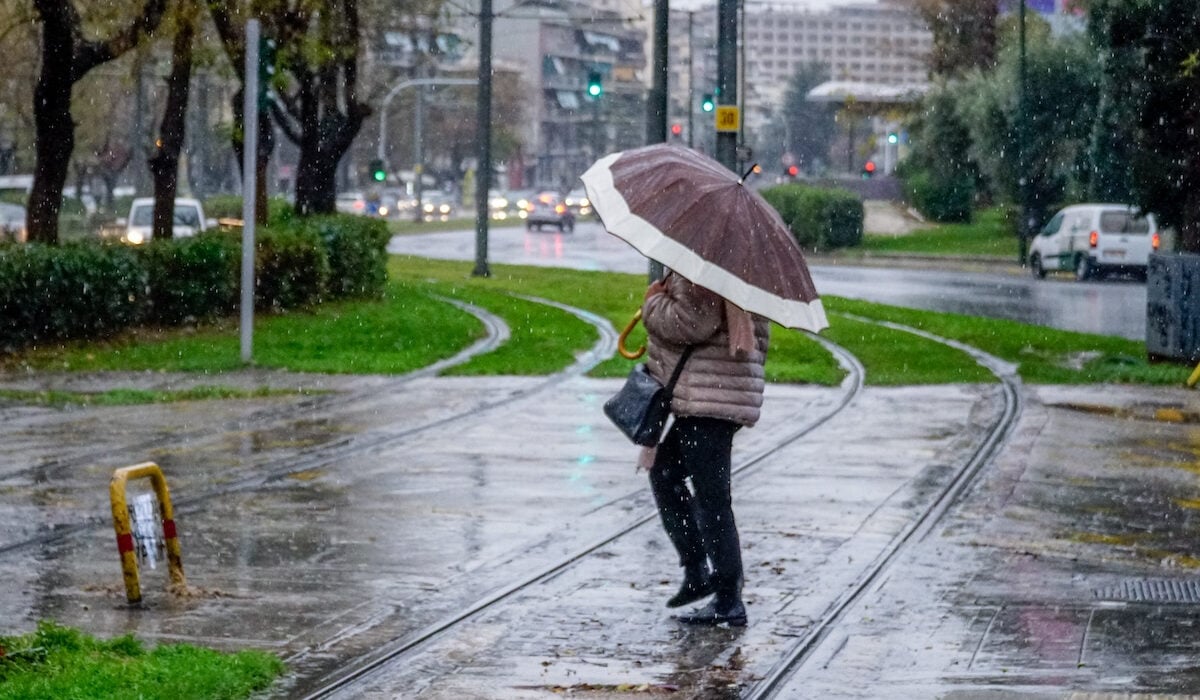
{"points": [[719, 392]]}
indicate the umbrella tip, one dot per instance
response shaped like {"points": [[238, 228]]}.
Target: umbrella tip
{"points": [[747, 174]]}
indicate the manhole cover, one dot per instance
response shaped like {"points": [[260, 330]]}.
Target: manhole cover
{"points": [[1152, 591]]}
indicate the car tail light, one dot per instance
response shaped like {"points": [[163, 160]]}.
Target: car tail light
{"points": [[1094, 239], [1155, 240]]}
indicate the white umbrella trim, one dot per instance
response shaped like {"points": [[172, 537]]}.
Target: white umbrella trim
{"points": [[652, 243]]}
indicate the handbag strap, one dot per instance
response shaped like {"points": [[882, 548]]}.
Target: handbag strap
{"points": [[687, 352]]}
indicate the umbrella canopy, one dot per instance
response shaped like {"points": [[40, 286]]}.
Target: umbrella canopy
{"points": [[693, 215]]}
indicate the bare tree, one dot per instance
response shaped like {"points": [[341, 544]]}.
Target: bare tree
{"points": [[164, 164], [67, 56]]}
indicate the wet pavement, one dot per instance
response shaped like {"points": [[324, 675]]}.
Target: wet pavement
{"points": [[386, 525]]}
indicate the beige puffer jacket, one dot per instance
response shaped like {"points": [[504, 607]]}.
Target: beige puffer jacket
{"points": [[716, 382]]}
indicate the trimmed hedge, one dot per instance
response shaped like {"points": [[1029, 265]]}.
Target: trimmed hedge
{"points": [[939, 198], [93, 288], [357, 250], [191, 278], [73, 290], [819, 218], [291, 269], [229, 206]]}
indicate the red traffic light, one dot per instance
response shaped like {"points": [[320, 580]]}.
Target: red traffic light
{"points": [[793, 171], [869, 167], [676, 129]]}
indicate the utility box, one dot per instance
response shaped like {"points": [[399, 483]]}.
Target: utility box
{"points": [[1173, 307]]}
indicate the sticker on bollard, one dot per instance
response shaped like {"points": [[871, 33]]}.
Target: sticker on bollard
{"points": [[137, 530], [148, 544]]}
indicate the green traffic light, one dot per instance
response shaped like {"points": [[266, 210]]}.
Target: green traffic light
{"points": [[893, 138], [379, 176], [707, 103], [594, 87]]}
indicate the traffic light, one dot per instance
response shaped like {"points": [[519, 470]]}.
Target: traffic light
{"points": [[594, 87], [893, 138], [676, 129], [706, 103], [793, 171], [378, 172], [868, 169], [266, 70]]}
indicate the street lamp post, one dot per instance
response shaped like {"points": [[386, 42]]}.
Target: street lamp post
{"points": [[1024, 226]]}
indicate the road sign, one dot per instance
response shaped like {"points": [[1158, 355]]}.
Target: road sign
{"points": [[728, 118]]}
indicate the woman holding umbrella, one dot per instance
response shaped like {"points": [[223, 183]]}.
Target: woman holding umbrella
{"points": [[735, 265], [719, 392]]}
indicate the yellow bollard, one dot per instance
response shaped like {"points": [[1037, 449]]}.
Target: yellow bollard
{"points": [[120, 511], [1191, 382]]}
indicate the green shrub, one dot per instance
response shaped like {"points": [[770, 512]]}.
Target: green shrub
{"points": [[191, 278], [229, 206], [939, 198], [818, 217], [78, 289], [357, 250], [291, 270]]}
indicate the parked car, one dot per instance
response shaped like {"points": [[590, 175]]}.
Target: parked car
{"points": [[547, 209], [138, 227], [1092, 239], [12, 223]]}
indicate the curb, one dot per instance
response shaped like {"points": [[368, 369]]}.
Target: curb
{"points": [[1161, 414]]}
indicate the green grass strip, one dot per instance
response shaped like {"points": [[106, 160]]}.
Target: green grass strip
{"points": [[405, 331], [1043, 355], [990, 234], [895, 357], [58, 662]]}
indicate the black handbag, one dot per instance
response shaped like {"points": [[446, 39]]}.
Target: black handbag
{"points": [[641, 407]]}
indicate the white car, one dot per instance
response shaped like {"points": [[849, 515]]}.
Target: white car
{"points": [[139, 227], [1091, 239], [12, 223]]}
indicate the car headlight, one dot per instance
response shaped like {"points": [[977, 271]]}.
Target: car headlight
{"points": [[135, 237]]}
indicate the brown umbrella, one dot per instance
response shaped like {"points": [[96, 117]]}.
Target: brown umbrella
{"points": [[694, 216]]}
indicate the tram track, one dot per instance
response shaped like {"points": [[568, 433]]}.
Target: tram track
{"points": [[357, 675], [354, 672], [358, 671], [334, 451]]}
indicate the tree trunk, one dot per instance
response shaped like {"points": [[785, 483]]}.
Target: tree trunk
{"points": [[164, 164], [266, 144], [55, 132], [1189, 228]]}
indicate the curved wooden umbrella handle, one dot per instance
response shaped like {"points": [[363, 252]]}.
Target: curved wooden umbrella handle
{"points": [[626, 353]]}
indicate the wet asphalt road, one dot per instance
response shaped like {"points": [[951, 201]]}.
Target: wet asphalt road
{"points": [[1109, 307], [1046, 580]]}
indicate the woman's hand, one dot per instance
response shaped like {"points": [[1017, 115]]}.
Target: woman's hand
{"points": [[656, 287]]}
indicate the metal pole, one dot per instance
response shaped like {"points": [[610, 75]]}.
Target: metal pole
{"points": [[483, 130], [727, 88], [418, 152], [249, 185], [656, 112], [1022, 146], [691, 79]]}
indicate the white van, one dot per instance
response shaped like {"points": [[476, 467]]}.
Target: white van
{"points": [[188, 220], [1095, 238]]}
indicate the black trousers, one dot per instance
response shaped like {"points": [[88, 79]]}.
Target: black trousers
{"points": [[699, 521]]}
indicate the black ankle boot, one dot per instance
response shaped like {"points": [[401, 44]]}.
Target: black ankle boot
{"points": [[697, 584], [717, 612]]}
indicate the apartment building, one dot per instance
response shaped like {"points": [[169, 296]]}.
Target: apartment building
{"points": [[558, 46], [883, 44]]}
